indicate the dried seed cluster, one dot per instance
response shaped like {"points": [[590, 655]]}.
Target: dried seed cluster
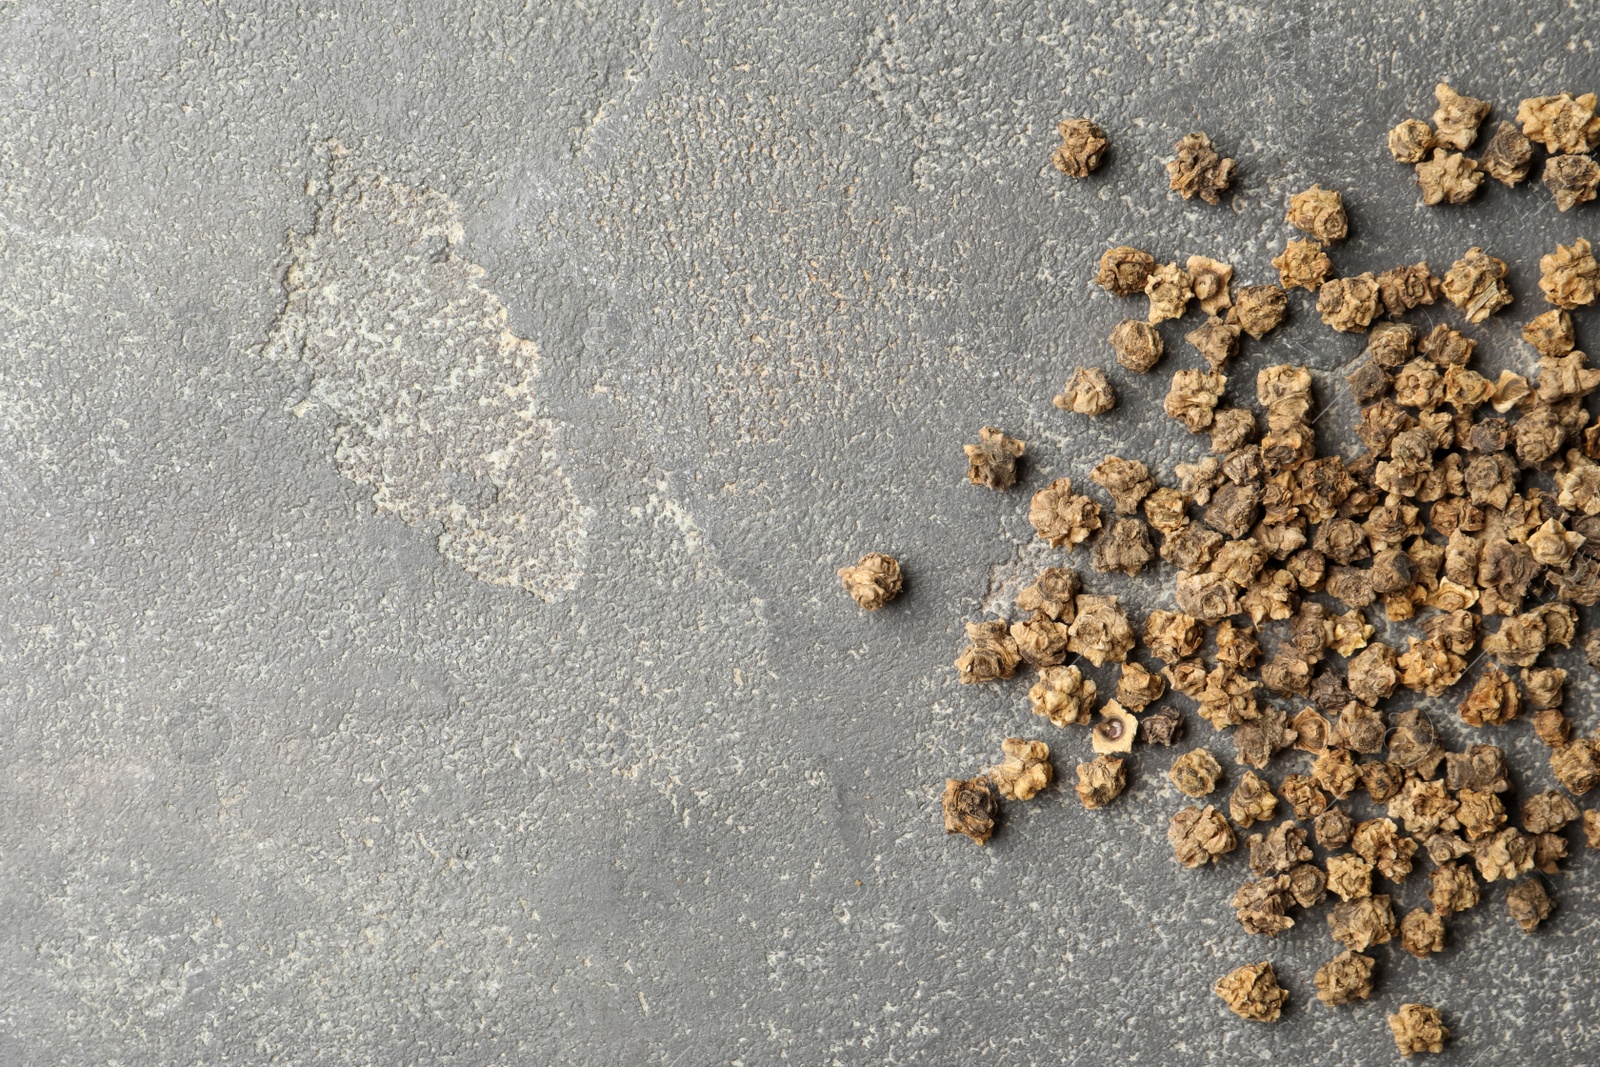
{"points": [[1468, 529]]}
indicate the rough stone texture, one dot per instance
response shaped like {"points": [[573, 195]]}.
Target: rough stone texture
{"points": [[282, 780]]}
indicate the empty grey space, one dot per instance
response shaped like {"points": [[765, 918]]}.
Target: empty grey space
{"points": [[555, 740]]}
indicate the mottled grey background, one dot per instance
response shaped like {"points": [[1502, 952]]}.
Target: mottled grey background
{"points": [[283, 783]]}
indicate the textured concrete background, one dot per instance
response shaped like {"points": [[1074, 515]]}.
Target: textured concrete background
{"points": [[380, 689]]}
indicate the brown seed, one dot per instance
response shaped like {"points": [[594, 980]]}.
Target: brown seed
{"points": [[992, 462], [1410, 141], [1418, 386], [1552, 727], [1422, 933], [1041, 640], [1344, 979], [1336, 773], [1448, 178], [1191, 548], [1507, 156], [1195, 773], [1309, 631], [1208, 281], [1216, 341], [1456, 122], [1083, 146], [1025, 771], [1233, 509], [1493, 701], [1572, 180], [1087, 392], [1279, 849], [1303, 265], [1480, 814], [1427, 666], [1382, 781], [1258, 309], [1348, 633], [1124, 548], [1568, 276], [1054, 593], [1251, 800], [1372, 677], [1576, 765], [1562, 378], [1261, 906], [1402, 288], [1333, 829], [1138, 688], [1414, 743], [1257, 740], [1453, 888], [1198, 170], [1193, 398], [1063, 695], [1503, 856], [1443, 846], [1308, 568], [1198, 480], [1543, 687], [1237, 646], [1445, 347], [1127, 480], [1303, 796], [1161, 727], [1476, 284], [1418, 1028], [1505, 571], [970, 808], [1200, 836], [1061, 516], [1320, 213], [1209, 597], [1349, 304], [1137, 344], [1529, 903], [1101, 781], [1288, 673], [1166, 510], [1378, 842], [1547, 813], [1124, 271], [1561, 123], [1172, 635], [1252, 992], [1116, 730], [1391, 344], [1510, 390], [1101, 631], [1548, 852], [1308, 884], [1361, 923], [873, 581], [991, 653], [1349, 877], [1169, 288]]}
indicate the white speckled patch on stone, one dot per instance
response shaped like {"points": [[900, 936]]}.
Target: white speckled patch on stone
{"points": [[431, 393]]}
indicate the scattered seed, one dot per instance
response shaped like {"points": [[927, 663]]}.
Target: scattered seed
{"points": [[1083, 146]]}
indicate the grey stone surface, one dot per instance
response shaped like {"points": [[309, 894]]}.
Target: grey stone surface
{"points": [[284, 782]]}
